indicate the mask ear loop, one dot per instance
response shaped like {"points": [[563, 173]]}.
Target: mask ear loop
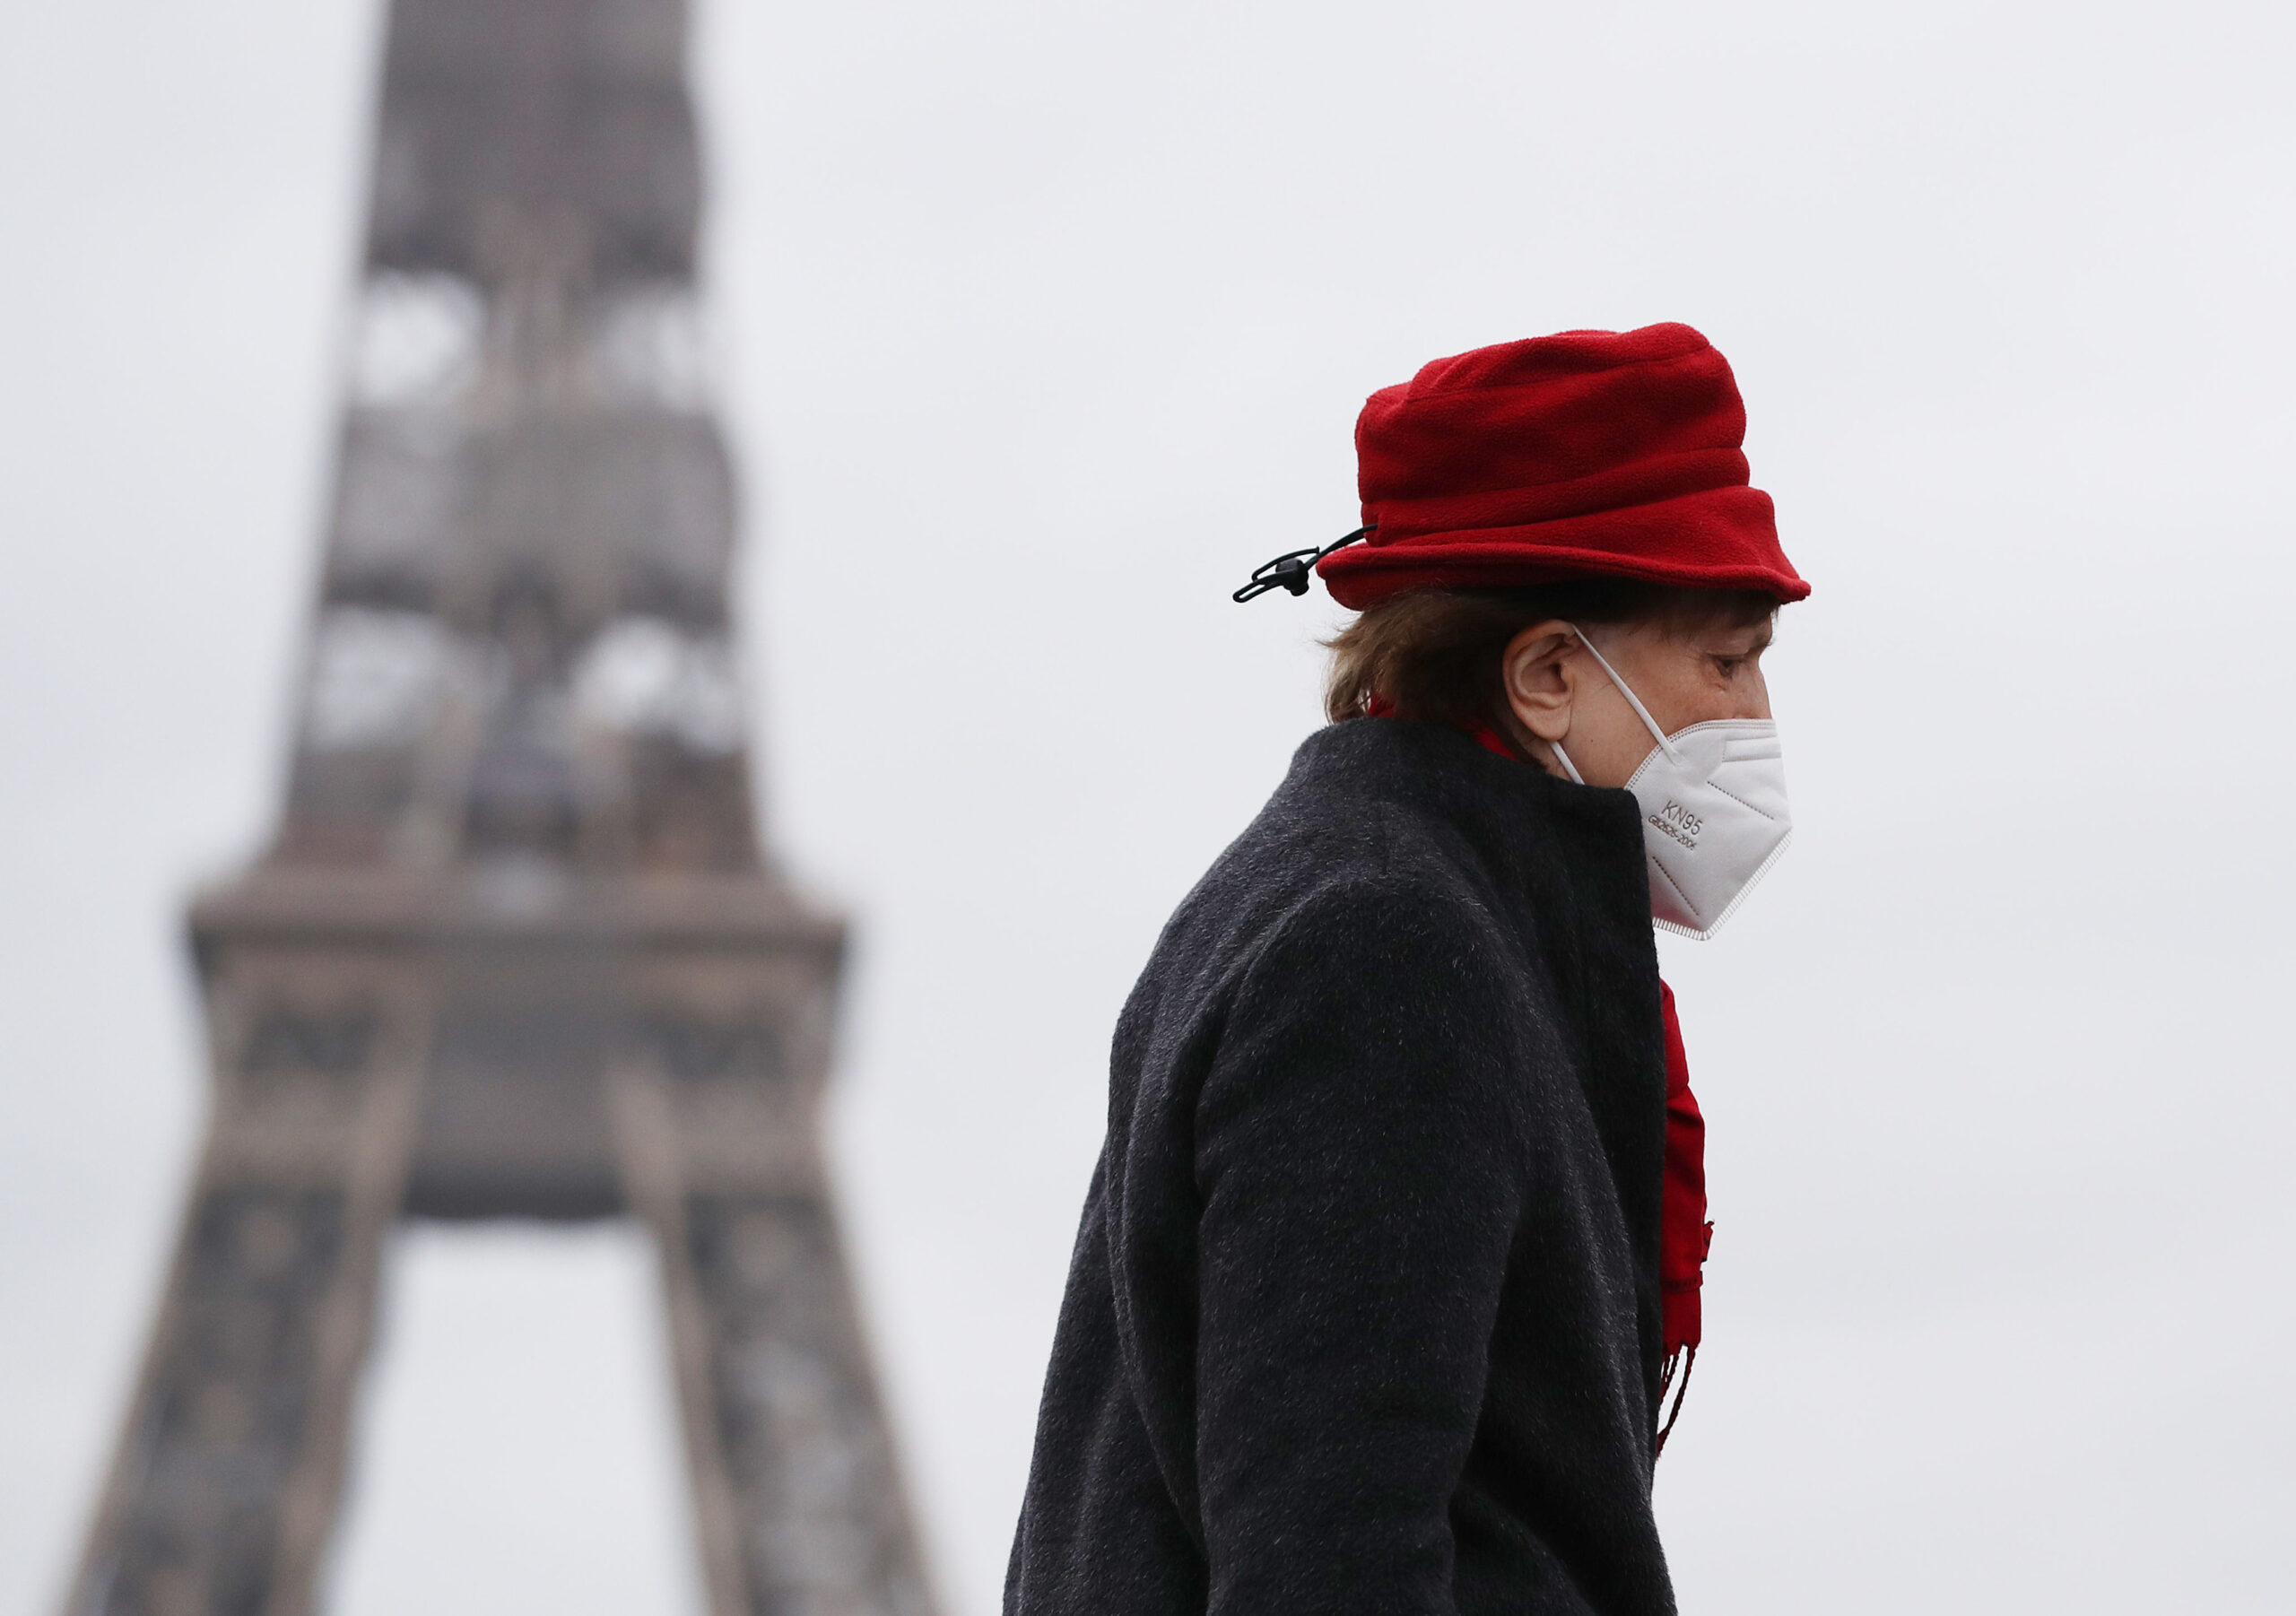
{"points": [[1632, 700]]}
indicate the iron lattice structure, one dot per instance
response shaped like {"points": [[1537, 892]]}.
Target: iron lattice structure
{"points": [[514, 950]]}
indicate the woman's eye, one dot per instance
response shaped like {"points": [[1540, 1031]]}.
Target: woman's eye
{"points": [[1729, 665]]}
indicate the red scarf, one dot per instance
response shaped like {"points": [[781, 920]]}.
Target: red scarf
{"points": [[1683, 1233]]}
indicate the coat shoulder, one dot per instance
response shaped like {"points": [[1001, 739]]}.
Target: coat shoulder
{"points": [[1337, 889], [1337, 915]]}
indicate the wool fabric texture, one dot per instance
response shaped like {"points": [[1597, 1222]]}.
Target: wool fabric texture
{"points": [[1684, 1235], [1589, 453], [1364, 1314]]}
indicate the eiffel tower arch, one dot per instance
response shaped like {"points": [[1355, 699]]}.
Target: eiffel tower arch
{"points": [[515, 951]]}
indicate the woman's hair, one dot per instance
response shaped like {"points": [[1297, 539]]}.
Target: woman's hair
{"points": [[1434, 654]]}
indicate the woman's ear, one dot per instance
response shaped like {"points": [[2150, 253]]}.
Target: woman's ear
{"points": [[1539, 688]]}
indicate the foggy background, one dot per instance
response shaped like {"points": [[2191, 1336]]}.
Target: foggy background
{"points": [[1041, 325]]}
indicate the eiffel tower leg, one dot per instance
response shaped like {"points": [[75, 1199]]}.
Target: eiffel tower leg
{"points": [[223, 1490], [798, 1497]]}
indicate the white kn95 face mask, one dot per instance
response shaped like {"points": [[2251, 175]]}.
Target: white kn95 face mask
{"points": [[1714, 814]]}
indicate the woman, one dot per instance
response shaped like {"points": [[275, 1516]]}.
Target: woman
{"points": [[1396, 1233]]}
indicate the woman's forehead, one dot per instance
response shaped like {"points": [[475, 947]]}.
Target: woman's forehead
{"points": [[1743, 636]]}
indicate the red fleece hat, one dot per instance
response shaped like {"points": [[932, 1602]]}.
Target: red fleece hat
{"points": [[1589, 454]]}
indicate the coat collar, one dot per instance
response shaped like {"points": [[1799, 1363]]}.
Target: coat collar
{"points": [[1527, 827]]}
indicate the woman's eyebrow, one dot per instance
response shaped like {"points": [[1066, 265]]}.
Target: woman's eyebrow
{"points": [[1731, 646]]}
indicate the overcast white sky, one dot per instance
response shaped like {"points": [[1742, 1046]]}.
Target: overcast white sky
{"points": [[1042, 325]]}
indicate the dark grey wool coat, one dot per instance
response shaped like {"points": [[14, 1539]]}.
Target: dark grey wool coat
{"points": [[1364, 1314]]}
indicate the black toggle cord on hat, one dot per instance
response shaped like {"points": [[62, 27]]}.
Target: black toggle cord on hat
{"points": [[1290, 571]]}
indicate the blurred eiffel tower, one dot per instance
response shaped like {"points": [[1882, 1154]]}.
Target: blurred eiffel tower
{"points": [[514, 952]]}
